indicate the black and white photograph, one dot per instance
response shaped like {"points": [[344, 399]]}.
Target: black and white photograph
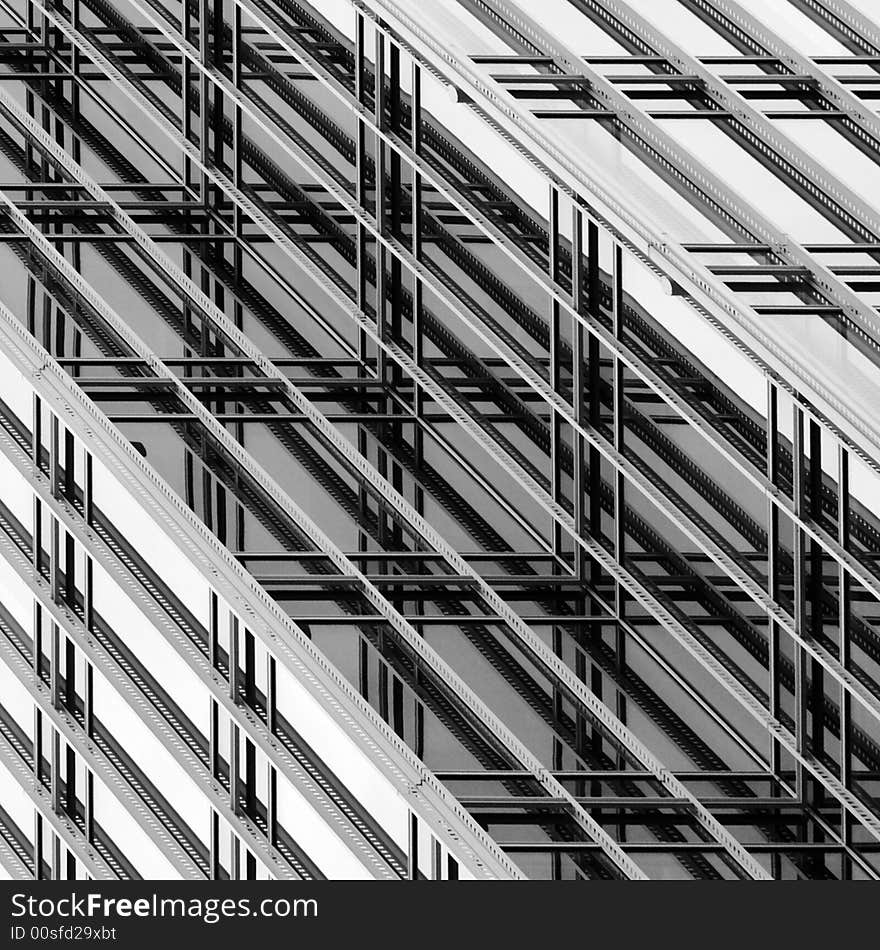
{"points": [[439, 441]]}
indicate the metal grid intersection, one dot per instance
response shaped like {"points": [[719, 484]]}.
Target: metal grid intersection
{"points": [[419, 381]]}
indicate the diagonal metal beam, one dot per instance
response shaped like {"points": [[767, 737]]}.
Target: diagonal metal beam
{"points": [[141, 705], [62, 825], [444, 672], [97, 762], [523, 633], [281, 239], [835, 196], [250, 724], [709, 545], [854, 25], [866, 122], [283, 639], [720, 305]]}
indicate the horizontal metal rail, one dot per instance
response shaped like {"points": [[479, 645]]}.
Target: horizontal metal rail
{"points": [[63, 826], [484, 417], [250, 724], [141, 704], [532, 379], [865, 121], [468, 424], [91, 754], [312, 530], [253, 212], [713, 300], [796, 166], [536, 646], [120, 327], [674, 399]]}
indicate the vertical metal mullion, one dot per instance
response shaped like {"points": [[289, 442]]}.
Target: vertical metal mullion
{"points": [[395, 223], [56, 857], [233, 658], [204, 112], [436, 860], [37, 432], [55, 560], [69, 569], [70, 783], [75, 63], [814, 686], [578, 488], [37, 546], [89, 700], [89, 810], [186, 91], [234, 856], [38, 745], [53, 456], [361, 247], [55, 754], [54, 644], [88, 594], [69, 675], [383, 676], [412, 862], [238, 230], [219, 105], [555, 368], [773, 589], [578, 387], [379, 192], [381, 254], [37, 640], [363, 667], [186, 105], [213, 629], [594, 466], [250, 778], [800, 714], [619, 492], [618, 423], [418, 356], [69, 467], [417, 298], [817, 678], [250, 673], [272, 805], [30, 104], [844, 592], [594, 289], [234, 755], [214, 853], [236, 124], [271, 685], [555, 454], [88, 489], [213, 737], [38, 845], [773, 578], [361, 171], [76, 154]]}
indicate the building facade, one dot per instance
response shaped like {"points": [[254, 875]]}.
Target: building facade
{"points": [[439, 440]]}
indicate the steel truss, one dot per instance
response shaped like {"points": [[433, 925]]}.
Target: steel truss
{"points": [[419, 380]]}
